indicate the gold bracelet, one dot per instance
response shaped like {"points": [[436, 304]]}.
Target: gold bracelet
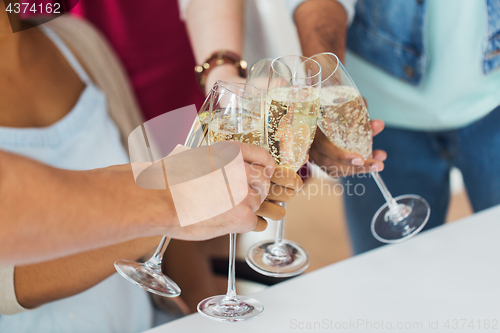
{"points": [[219, 58]]}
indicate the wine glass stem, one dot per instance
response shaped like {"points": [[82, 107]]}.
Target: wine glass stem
{"points": [[231, 287], [281, 227], [157, 257], [391, 203]]}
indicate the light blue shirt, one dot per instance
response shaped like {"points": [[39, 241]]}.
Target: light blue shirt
{"points": [[85, 138], [455, 92]]}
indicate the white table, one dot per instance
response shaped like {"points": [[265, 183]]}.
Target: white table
{"points": [[440, 281]]}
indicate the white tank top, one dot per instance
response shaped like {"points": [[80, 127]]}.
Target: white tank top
{"points": [[85, 138]]}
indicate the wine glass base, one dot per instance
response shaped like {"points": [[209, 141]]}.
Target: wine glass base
{"points": [[414, 214], [240, 308], [147, 278], [290, 259]]}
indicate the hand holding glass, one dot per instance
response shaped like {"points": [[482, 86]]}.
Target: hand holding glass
{"points": [[232, 112], [292, 107], [344, 120]]}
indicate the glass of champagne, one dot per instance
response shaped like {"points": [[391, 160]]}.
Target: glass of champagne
{"points": [[292, 108], [233, 112], [148, 275], [344, 120]]}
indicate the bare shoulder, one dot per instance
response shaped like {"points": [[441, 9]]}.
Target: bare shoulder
{"points": [[83, 39]]}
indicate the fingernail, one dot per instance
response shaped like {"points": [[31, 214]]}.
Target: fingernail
{"points": [[261, 225], [374, 168], [357, 161]]}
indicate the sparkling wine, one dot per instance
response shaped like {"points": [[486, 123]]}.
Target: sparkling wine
{"points": [[244, 127], [291, 123], [203, 119], [344, 119]]}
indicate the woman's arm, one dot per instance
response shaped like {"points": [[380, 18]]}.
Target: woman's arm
{"points": [[77, 211], [213, 26], [47, 212], [46, 282]]}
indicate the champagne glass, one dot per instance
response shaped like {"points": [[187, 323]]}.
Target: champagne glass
{"points": [[292, 107], [260, 73], [344, 120], [233, 112], [148, 275]]}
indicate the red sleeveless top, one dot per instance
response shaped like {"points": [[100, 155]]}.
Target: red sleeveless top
{"points": [[153, 45]]}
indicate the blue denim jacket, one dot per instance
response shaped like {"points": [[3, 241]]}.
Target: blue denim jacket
{"points": [[391, 35]]}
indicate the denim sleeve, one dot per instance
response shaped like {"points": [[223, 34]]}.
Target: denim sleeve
{"points": [[349, 6]]}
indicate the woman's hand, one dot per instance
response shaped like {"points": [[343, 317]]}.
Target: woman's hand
{"points": [[243, 217], [339, 163]]}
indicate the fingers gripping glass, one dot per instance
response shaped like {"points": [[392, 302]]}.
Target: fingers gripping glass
{"points": [[292, 107], [232, 112], [344, 120]]}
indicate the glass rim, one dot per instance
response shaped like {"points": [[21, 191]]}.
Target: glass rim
{"points": [[336, 67], [222, 84], [253, 65], [292, 77], [263, 59]]}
